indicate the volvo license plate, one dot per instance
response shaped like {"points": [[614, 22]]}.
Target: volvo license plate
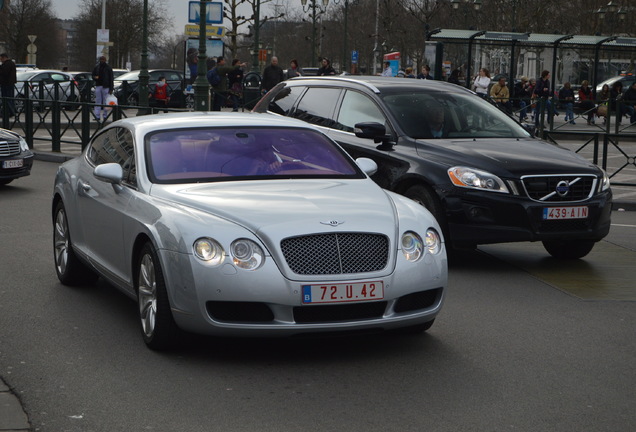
{"points": [[343, 292], [557, 213]]}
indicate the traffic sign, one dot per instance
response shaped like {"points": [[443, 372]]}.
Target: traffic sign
{"points": [[354, 57], [213, 12], [193, 30]]}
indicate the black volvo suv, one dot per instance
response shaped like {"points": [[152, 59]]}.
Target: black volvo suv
{"points": [[483, 176]]}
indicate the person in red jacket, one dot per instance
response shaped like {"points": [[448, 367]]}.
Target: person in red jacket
{"points": [[159, 97]]}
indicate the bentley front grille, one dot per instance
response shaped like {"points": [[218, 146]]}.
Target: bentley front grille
{"points": [[337, 253]]}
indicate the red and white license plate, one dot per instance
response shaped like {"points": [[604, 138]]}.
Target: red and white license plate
{"points": [[556, 213], [13, 163], [340, 293]]}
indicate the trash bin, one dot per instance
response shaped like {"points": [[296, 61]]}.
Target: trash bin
{"points": [[251, 89]]}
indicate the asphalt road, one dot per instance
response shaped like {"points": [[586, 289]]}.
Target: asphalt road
{"points": [[512, 350]]}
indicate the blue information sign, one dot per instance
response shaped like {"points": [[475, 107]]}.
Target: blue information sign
{"points": [[354, 57], [213, 12]]}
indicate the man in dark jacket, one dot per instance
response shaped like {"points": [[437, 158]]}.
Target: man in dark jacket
{"points": [[272, 75], [104, 82], [7, 81], [630, 102]]}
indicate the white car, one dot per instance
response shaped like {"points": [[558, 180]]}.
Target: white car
{"points": [[45, 85], [246, 225]]}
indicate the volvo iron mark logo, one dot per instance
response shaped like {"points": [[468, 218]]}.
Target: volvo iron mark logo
{"points": [[333, 223], [562, 188]]}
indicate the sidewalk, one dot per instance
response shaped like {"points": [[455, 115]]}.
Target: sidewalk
{"points": [[12, 416]]}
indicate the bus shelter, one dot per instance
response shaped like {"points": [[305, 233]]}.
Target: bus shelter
{"points": [[572, 58]]}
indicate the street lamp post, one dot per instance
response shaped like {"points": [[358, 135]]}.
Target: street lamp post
{"points": [[346, 32], [610, 14], [257, 26], [316, 10], [143, 73], [475, 3]]}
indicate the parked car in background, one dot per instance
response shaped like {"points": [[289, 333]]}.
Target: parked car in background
{"points": [[627, 79], [244, 224], [45, 86], [484, 177], [16, 159], [127, 87]]}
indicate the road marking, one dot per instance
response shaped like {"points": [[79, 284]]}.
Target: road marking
{"points": [[607, 273]]}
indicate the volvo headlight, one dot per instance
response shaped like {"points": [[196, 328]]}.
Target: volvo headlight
{"points": [[433, 241], [246, 254], [476, 179], [208, 250], [412, 246], [605, 182]]}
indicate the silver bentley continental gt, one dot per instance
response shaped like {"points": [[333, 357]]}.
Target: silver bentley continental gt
{"points": [[244, 225]]}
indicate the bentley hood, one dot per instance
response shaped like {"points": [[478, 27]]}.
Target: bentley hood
{"points": [[292, 206]]}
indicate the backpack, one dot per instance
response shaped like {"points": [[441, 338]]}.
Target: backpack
{"points": [[213, 77]]}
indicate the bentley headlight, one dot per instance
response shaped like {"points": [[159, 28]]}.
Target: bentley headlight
{"points": [[246, 254], [476, 179], [208, 250], [433, 241], [412, 246]]}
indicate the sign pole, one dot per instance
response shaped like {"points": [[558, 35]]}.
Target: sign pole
{"points": [[201, 87]]}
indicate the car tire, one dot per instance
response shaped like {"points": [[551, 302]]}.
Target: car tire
{"points": [[5, 181], [568, 249], [70, 270], [426, 197], [158, 328]]}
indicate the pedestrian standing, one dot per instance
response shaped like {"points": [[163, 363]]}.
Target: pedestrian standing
{"points": [[7, 82], [326, 68], [159, 97], [426, 73], [272, 75], [104, 82], [586, 101], [294, 70], [566, 98], [482, 82], [542, 93], [235, 83], [218, 79], [387, 72]]}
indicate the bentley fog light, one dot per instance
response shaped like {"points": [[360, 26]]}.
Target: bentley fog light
{"points": [[433, 241], [412, 246], [476, 179], [208, 250], [246, 254]]}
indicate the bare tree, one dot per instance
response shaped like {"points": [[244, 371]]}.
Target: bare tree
{"points": [[32, 17], [124, 19]]}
